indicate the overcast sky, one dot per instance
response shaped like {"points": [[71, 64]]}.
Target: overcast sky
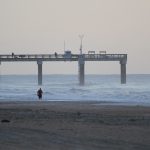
{"points": [[41, 26]]}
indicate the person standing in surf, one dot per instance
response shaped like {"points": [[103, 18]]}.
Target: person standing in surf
{"points": [[39, 93]]}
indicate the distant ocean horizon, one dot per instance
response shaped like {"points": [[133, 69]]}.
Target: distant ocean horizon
{"points": [[102, 88]]}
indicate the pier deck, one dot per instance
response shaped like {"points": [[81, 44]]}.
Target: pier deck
{"points": [[62, 57]]}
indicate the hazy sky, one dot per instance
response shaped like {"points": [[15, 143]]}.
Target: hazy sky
{"points": [[41, 26]]}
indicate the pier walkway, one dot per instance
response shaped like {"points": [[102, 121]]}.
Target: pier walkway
{"points": [[81, 58]]}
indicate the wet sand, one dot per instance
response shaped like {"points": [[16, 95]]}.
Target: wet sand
{"points": [[73, 126]]}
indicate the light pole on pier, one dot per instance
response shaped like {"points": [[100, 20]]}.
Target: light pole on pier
{"points": [[81, 38]]}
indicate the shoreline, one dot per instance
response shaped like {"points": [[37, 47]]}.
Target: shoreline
{"points": [[92, 102]]}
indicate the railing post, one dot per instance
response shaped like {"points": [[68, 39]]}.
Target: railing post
{"points": [[81, 63], [39, 62]]}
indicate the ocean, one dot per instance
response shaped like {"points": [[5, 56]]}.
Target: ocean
{"points": [[102, 88]]}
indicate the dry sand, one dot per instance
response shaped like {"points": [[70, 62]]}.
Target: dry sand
{"points": [[73, 126]]}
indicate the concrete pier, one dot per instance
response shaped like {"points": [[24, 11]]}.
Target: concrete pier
{"points": [[123, 71], [81, 58], [39, 63], [81, 63]]}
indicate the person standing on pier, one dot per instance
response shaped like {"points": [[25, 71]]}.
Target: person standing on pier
{"points": [[39, 93], [12, 54], [55, 54]]}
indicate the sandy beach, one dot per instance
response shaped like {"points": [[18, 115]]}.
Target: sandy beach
{"points": [[73, 126]]}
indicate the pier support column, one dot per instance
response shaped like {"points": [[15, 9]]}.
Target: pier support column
{"points": [[0, 70], [39, 63], [81, 63], [123, 71]]}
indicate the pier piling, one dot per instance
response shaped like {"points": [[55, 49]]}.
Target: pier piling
{"points": [[39, 62], [123, 71], [81, 63]]}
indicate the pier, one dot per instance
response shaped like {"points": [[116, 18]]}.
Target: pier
{"points": [[68, 56]]}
